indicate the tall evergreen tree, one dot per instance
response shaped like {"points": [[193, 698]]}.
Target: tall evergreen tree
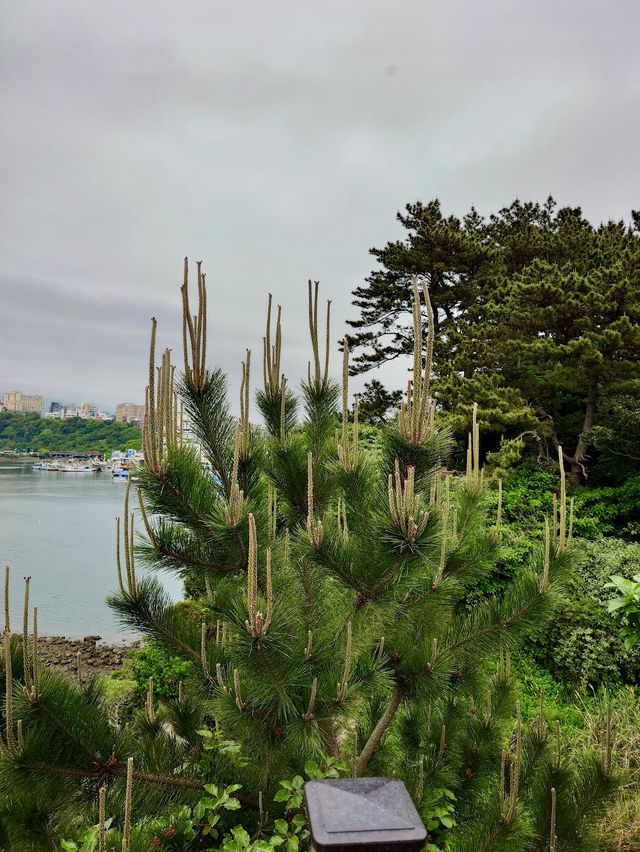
{"points": [[333, 620], [537, 317]]}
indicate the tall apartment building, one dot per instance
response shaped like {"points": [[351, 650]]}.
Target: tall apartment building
{"points": [[129, 412], [18, 401]]}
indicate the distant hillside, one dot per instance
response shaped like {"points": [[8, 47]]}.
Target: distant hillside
{"points": [[29, 432]]}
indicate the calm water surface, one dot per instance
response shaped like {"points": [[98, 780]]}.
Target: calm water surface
{"points": [[59, 528]]}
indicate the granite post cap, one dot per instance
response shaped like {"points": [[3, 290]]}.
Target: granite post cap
{"points": [[363, 813]]}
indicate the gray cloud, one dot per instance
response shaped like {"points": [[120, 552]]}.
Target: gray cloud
{"points": [[276, 141]]}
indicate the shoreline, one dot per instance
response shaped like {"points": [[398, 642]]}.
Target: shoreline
{"points": [[94, 656]]}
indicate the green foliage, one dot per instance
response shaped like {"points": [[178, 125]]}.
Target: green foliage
{"points": [[612, 510], [377, 404], [349, 603], [537, 319], [627, 604], [583, 644], [155, 662], [30, 432], [616, 437]]}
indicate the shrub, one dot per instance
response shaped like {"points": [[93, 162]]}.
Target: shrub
{"points": [[583, 644]]}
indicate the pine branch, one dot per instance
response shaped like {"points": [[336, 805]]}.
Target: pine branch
{"points": [[379, 730]]}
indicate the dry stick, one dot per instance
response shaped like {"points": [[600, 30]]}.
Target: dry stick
{"points": [[102, 836], [429, 355], [347, 665], [8, 690], [267, 365], [312, 700], [118, 563], [328, 345], [313, 329], [126, 832], [203, 648], [25, 638], [126, 532], [151, 413], [6, 599], [35, 652], [380, 728]]}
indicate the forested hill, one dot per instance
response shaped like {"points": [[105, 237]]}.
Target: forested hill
{"points": [[30, 432]]}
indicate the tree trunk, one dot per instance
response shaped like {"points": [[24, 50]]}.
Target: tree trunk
{"points": [[578, 472]]}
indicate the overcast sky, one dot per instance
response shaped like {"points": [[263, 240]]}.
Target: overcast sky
{"points": [[276, 141]]}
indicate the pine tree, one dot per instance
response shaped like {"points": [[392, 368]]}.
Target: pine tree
{"points": [[537, 319], [330, 617]]}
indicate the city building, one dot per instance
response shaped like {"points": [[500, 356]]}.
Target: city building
{"points": [[129, 412], [87, 411], [18, 401]]}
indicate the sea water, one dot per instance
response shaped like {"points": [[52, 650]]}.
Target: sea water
{"points": [[59, 529]]}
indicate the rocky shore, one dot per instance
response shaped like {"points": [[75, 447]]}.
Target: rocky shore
{"points": [[92, 655]]}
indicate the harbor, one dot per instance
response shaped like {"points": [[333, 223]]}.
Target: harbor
{"points": [[118, 465], [59, 529]]}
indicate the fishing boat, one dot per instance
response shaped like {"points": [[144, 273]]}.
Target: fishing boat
{"points": [[76, 468], [46, 465]]}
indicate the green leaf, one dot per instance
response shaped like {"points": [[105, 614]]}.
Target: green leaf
{"points": [[281, 796], [281, 827], [241, 835], [292, 844]]}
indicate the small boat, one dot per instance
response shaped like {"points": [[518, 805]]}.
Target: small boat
{"points": [[76, 468], [47, 465]]}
